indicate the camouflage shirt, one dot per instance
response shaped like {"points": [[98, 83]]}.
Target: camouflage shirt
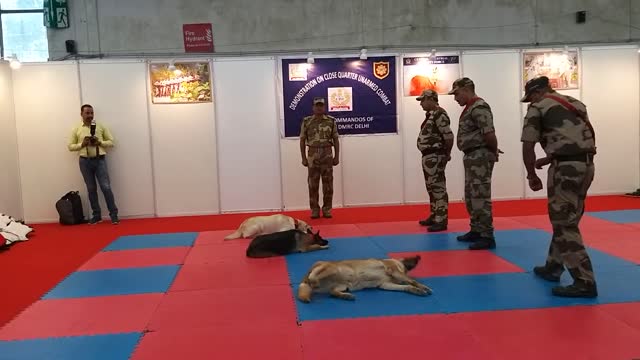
{"points": [[434, 131], [559, 130], [475, 121], [319, 132]]}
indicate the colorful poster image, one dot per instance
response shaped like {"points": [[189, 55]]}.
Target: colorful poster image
{"points": [[430, 73], [560, 67], [359, 94], [180, 83]]}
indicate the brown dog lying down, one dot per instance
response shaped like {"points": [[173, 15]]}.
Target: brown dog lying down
{"points": [[339, 277], [285, 242], [260, 225]]}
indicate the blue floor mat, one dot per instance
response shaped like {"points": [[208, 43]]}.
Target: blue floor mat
{"points": [[456, 294], [616, 278], [131, 242], [98, 347], [155, 279], [618, 216]]}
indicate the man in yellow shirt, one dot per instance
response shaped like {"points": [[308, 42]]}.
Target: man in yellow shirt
{"points": [[91, 140]]}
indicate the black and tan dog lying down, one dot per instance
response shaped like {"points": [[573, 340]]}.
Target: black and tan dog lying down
{"points": [[285, 242], [338, 278]]}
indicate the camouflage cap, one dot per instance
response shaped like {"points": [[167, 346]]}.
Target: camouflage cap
{"points": [[534, 84], [429, 94], [459, 84], [318, 100]]}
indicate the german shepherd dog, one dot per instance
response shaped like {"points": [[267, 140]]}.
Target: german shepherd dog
{"points": [[285, 242], [338, 278]]}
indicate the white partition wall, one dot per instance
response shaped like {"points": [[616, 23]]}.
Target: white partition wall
{"points": [[184, 157], [10, 201], [47, 106], [372, 170], [496, 76], [248, 134], [228, 155], [610, 78], [412, 117], [117, 92]]}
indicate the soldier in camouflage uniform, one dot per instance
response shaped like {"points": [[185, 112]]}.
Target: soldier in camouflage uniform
{"points": [[319, 132], [477, 140], [561, 125], [435, 141]]}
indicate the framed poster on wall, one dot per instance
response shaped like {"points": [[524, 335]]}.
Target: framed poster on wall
{"points": [[429, 73], [180, 83], [561, 67], [360, 94]]}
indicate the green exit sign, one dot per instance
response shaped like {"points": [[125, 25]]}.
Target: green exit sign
{"points": [[56, 14]]}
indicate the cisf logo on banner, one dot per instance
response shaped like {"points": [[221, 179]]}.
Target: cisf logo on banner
{"points": [[197, 37], [340, 99]]}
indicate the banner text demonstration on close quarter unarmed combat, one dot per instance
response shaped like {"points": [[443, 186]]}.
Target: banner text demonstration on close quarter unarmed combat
{"points": [[359, 94]]}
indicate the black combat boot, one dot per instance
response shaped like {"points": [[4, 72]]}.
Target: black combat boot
{"points": [[483, 243], [471, 236], [427, 222], [549, 272], [577, 289], [437, 227]]}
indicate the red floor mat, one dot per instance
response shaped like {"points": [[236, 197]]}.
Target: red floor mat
{"points": [[398, 337], [580, 332], [238, 340], [194, 309], [69, 317], [54, 251]]}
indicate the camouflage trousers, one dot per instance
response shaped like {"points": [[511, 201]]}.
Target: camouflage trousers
{"points": [[433, 168], [478, 169], [567, 186], [320, 167]]}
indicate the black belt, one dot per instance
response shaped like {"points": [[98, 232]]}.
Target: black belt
{"points": [[426, 152], [586, 157], [93, 157], [469, 150]]}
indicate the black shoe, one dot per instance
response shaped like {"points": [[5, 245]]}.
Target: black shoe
{"points": [[315, 214], [94, 220], [436, 227], [546, 273], [483, 243], [576, 290], [426, 222], [471, 236]]}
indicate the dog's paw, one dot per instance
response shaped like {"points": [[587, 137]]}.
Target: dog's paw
{"points": [[324, 247], [349, 297], [427, 290], [305, 300], [419, 291]]}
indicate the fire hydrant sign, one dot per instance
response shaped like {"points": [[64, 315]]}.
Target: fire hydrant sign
{"points": [[197, 38]]}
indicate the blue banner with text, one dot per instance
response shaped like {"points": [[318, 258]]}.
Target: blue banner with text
{"points": [[360, 94]]}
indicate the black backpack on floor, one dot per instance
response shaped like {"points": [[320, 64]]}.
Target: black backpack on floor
{"points": [[70, 209]]}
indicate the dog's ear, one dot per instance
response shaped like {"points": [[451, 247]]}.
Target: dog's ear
{"points": [[411, 262]]}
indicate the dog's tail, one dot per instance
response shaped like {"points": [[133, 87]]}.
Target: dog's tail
{"points": [[311, 280], [305, 290], [234, 235]]}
